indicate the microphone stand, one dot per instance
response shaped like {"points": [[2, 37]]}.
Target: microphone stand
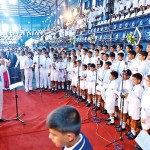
{"points": [[78, 84]]}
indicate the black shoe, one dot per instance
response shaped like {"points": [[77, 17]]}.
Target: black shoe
{"points": [[81, 100], [56, 91], [71, 93], [131, 137], [128, 133], [27, 93], [88, 104], [96, 108], [93, 107], [3, 120], [75, 95], [116, 118], [52, 91], [118, 126], [110, 124], [120, 129], [85, 102], [108, 119], [137, 147], [104, 111]]}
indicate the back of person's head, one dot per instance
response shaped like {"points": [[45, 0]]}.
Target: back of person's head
{"points": [[132, 53], [65, 119], [144, 53], [114, 74], [138, 76]]}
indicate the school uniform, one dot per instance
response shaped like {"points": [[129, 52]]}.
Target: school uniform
{"points": [[133, 65], [110, 96], [84, 58], [91, 78], [69, 66], [54, 69], [46, 65], [145, 109], [143, 68], [82, 144], [89, 60], [74, 76], [38, 61], [128, 4], [142, 3], [83, 80], [28, 74], [135, 3], [61, 73], [135, 101]]}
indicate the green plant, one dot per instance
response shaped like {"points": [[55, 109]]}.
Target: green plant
{"points": [[92, 39], [131, 39], [71, 40]]}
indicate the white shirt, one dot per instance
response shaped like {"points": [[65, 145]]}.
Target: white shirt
{"points": [[28, 63], [133, 65], [21, 60], [38, 59], [46, 63], [143, 67]]}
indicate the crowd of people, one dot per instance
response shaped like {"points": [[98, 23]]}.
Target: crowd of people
{"points": [[101, 78]]}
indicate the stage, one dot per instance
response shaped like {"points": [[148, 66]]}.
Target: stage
{"points": [[34, 135]]}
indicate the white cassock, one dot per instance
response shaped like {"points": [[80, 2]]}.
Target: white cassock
{"points": [[2, 70], [28, 74], [145, 109], [38, 59], [134, 99], [46, 65], [110, 96]]}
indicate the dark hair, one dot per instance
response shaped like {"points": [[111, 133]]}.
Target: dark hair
{"points": [[121, 54], [132, 53], [85, 66], [65, 119], [128, 72], [69, 58], [28, 53], [43, 49], [130, 46], [89, 64], [114, 74], [101, 63], [75, 57], [90, 52], [52, 49], [85, 49], [73, 50], [92, 65], [108, 63], [106, 46], [140, 46], [112, 54], [120, 45], [93, 44], [144, 53], [107, 55], [114, 46], [96, 50], [137, 76], [100, 45], [80, 44]]}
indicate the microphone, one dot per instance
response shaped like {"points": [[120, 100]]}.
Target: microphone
{"points": [[126, 66], [98, 61]]}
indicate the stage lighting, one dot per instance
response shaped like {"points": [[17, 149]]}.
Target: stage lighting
{"points": [[68, 15]]}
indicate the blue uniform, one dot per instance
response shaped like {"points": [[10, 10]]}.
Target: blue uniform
{"points": [[84, 144]]}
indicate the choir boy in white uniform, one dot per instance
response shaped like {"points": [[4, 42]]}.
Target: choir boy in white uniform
{"points": [[96, 56], [112, 60], [54, 75], [83, 83], [46, 65], [145, 106], [138, 49], [132, 63], [135, 5], [84, 56], [38, 62], [143, 66], [120, 49], [113, 49], [61, 74], [92, 49], [124, 90], [91, 78], [28, 66], [89, 59], [68, 73], [20, 61], [135, 104], [104, 82], [128, 48], [64, 55], [110, 98]]}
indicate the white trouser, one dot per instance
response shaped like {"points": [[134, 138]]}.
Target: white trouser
{"points": [[1, 99], [41, 78], [46, 78], [28, 79]]}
